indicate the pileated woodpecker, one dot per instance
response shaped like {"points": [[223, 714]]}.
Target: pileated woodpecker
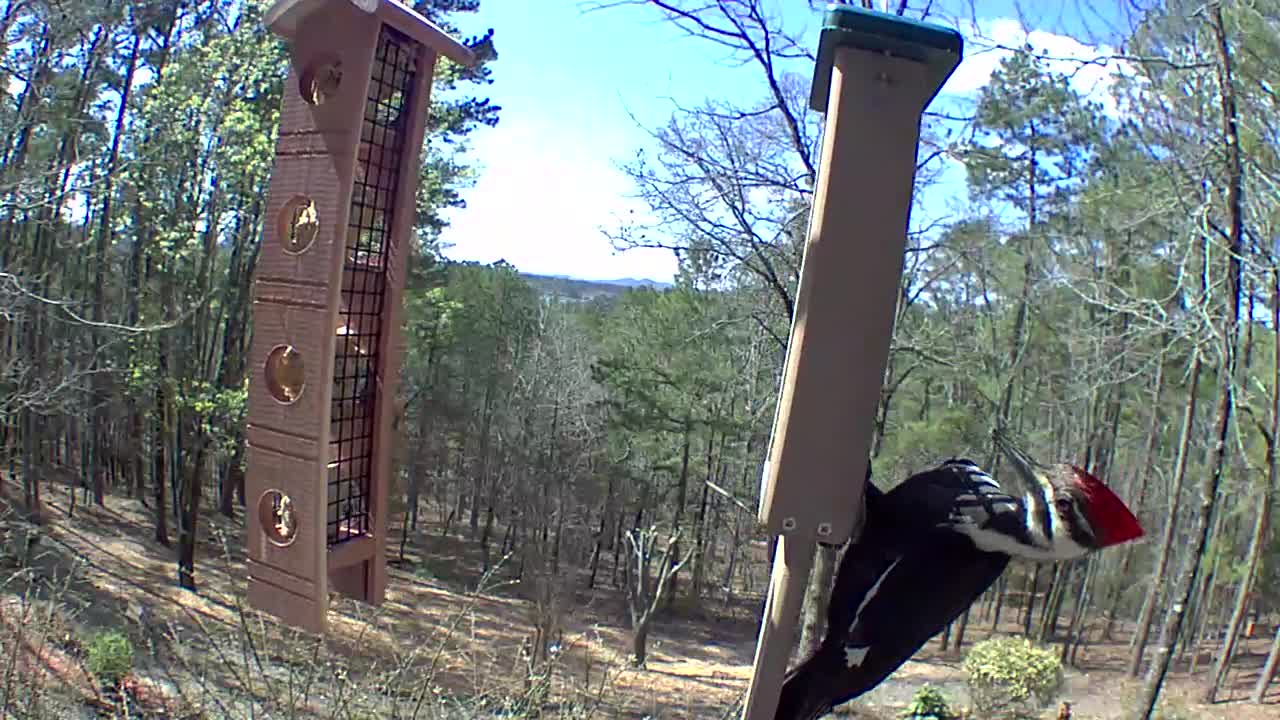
{"points": [[928, 549]]}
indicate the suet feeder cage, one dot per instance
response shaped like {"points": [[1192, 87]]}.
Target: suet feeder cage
{"points": [[326, 300]]}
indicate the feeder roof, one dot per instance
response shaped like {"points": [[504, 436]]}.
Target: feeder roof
{"points": [[284, 17], [938, 47]]}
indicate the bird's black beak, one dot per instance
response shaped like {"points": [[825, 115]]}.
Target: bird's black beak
{"points": [[1022, 463]]}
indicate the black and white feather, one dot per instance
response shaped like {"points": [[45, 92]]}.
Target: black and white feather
{"points": [[929, 548], [915, 567]]}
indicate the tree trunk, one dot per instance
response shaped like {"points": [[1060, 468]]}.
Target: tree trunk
{"points": [[961, 626], [486, 534], [640, 642], [605, 513], [682, 497], [1202, 604], [1140, 493], [1230, 337], [617, 552], [1002, 586], [100, 415], [814, 619], [1075, 629], [643, 601], [701, 556], [1261, 523], [162, 448], [1052, 603], [732, 566], [1033, 580], [1268, 670], [189, 504], [138, 272], [1158, 579], [478, 482]]}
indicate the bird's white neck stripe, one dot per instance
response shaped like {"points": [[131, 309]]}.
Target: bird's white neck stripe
{"points": [[1043, 544], [1039, 535]]}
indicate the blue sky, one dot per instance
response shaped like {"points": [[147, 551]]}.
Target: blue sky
{"points": [[570, 82]]}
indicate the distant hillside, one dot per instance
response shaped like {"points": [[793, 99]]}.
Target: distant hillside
{"points": [[638, 282], [579, 290]]}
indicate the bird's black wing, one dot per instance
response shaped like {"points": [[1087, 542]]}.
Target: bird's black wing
{"points": [[915, 513], [921, 592], [904, 579], [863, 563], [806, 693], [917, 595], [954, 493]]}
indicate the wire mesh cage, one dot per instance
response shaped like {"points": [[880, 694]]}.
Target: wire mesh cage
{"points": [[364, 287]]}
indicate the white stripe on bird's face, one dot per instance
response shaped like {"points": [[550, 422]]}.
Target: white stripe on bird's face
{"points": [[1044, 544]]}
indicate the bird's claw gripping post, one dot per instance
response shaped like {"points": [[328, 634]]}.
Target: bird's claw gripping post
{"points": [[874, 76]]}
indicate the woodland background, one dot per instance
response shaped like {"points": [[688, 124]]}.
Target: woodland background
{"points": [[1110, 289]]}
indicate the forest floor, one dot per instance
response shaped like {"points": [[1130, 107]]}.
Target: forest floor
{"points": [[195, 648]]}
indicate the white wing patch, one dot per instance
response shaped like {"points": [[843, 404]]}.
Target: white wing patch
{"points": [[854, 656]]}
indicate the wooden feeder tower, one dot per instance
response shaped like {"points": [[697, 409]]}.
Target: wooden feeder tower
{"points": [[875, 75], [326, 348]]}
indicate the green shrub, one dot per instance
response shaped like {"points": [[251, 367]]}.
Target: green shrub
{"points": [[1009, 678], [110, 657], [928, 704]]}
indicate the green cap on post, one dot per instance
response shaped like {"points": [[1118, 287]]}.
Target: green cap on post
{"points": [[938, 47]]}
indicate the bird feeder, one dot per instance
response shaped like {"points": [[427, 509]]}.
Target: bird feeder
{"points": [[875, 75], [326, 300]]}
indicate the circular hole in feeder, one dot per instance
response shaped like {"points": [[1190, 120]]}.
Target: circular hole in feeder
{"points": [[298, 224], [278, 517], [285, 374], [320, 80]]}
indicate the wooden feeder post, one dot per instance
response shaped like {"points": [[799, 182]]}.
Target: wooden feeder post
{"points": [[875, 75], [326, 348]]}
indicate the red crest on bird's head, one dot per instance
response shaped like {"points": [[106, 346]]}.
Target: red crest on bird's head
{"points": [[1113, 523]]}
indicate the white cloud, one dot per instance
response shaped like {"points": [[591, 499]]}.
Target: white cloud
{"points": [[540, 203], [1093, 68]]}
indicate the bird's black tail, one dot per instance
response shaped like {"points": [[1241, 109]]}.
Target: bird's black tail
{"points": [[804, 693], [807, 691]]}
